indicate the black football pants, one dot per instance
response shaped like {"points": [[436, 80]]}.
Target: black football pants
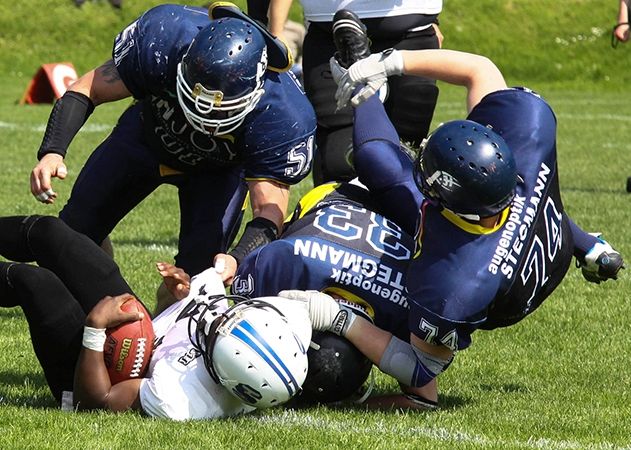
{"points": [[72, 275], [410, 103]]}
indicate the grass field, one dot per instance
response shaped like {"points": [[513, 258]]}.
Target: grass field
{"points": [[560, 379]]}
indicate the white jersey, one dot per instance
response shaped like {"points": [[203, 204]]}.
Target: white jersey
{"points": [[178, 385], [323, 10]]}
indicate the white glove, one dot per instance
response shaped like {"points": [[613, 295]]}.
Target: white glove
{"points": [[373, 71], [325, 313]]}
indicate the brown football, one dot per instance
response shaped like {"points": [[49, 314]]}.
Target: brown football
{"points": [[128, 346]]}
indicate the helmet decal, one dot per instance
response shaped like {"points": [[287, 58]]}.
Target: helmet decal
{"points": [[467, 168], [252, 351], [248, 335], [444, 179]]}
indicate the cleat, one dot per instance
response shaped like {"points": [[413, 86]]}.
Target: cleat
{"points": [[350, 37], [601, 263]]}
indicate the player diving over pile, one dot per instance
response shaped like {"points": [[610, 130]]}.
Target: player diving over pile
{"points": [[482, 198]]}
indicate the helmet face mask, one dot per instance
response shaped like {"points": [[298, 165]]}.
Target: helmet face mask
{"points": [[468, 169], [220, 78], [253, 352]]}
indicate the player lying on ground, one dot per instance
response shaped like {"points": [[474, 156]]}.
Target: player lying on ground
{"points": [[482, 197], [338, 242], [194, 372]]}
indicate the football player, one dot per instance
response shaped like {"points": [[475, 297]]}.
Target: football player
{"points": [[483, 200], [216, 114], [410, 100], [339, 243], [204, 352]]}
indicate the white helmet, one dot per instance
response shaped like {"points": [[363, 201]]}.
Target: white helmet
{"points": [[253, 351]]}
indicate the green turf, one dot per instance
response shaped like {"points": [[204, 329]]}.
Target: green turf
{"points": [[559, 379]]}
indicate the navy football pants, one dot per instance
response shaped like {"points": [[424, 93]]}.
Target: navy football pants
{"points": [[123, 171]]}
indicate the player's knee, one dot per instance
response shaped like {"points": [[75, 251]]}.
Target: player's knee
{"points": [[335, 152], [411, 108], [29, 281], [38, 230]]}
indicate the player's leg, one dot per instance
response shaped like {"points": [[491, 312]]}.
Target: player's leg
{"points": [[54, 317], [211, 209], [13, 245], [334, 131], [382, 166], [119, 174], [86, 271], [596, 258]]}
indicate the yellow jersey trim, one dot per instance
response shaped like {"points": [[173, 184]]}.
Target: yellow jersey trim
{"points": [[474, 228]]}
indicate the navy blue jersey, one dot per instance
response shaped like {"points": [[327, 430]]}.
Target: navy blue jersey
{"points": [[274, 142], [336, 242], [465, 276]]}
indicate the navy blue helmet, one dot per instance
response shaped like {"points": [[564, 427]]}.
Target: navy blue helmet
{"points": [[467, 168], [220, 78]]}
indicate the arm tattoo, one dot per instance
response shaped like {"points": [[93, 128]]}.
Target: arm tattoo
{"points": [[109, 72]]}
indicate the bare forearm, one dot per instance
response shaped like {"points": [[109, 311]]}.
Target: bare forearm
{"points": [[477, 73], [369, 339], [92, 386], [92, 383], [278, 13], [414, 363], [269, 200], [623, 11]]}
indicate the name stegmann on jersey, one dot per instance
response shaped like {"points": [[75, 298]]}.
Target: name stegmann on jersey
{"points": [[516, 230], [349, 268]]}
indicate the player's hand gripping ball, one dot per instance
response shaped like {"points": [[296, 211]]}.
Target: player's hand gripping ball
{"points": [[128, 346]]}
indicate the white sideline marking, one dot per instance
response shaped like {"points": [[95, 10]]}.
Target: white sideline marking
{"points": [[89, 128], [302, 420]]}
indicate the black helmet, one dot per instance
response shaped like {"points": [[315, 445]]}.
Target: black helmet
{"points": [[337, 369]]}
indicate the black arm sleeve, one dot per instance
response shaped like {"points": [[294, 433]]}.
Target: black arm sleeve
{"points": [[67, 117], [259, 231]]}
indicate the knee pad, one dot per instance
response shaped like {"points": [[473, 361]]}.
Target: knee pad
{"points": [[410, 106], [320, 89], [333, 161]]}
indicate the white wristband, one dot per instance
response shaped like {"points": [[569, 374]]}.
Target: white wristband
{"points": [[94, 338]]}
